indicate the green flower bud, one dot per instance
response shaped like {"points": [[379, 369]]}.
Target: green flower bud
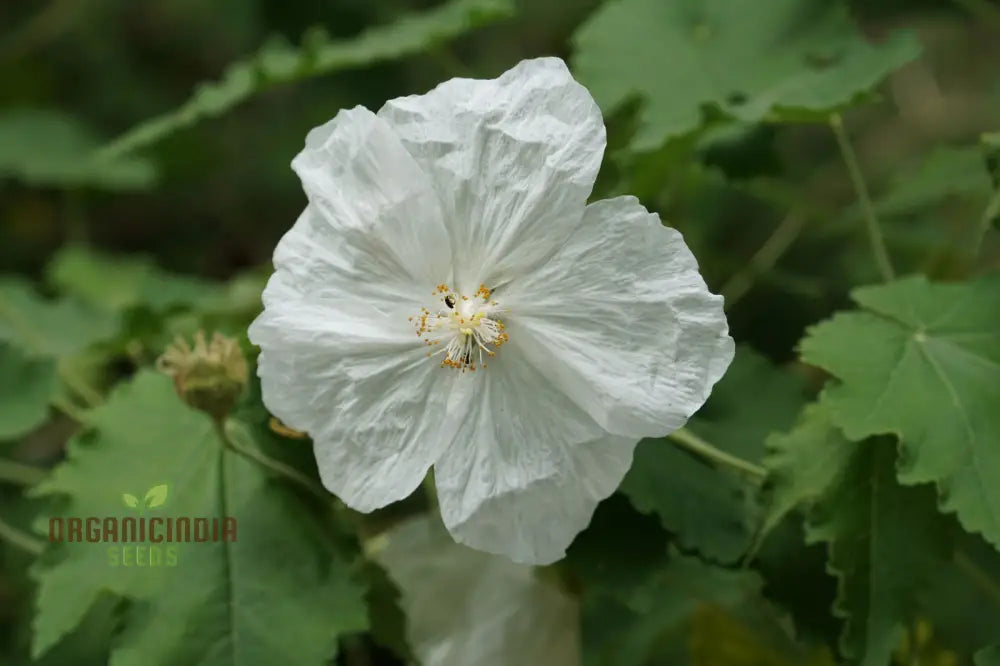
{"points": [[209, 376]]}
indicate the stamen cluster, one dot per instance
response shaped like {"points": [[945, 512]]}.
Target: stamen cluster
{"points": [[466, 325]]}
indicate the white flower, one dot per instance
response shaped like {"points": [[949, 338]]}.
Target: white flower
{"points": [[466, 608], [449, 299]]}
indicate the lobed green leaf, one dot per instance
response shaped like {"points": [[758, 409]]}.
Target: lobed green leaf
{"points": [[922, 361], [751, 61], [57, 328], [28, 384], [278, 594], [116, 283], [885, 542], [803, 464]]}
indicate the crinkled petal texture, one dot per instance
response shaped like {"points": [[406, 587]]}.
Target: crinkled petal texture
{"points": [[622, 322], [613, 334], [527, 467], [466, 608], [338, 357], [513, 159]]}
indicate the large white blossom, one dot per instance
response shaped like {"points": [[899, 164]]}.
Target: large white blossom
{"points": [[467, 608], [448, 299]]}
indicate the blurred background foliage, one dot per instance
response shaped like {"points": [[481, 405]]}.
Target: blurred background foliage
{"points": [[137, 203]]}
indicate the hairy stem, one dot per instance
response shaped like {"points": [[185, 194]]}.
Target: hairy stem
{"points": [[692, 442], [864, 199]]}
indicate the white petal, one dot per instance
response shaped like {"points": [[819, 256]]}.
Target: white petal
{"points": [[623, 323], [339, 358], [514, 160], [375, 197], [467, 608], [318, 260], [527, 467], [379, 412]]}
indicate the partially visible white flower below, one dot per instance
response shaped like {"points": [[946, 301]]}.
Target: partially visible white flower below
{"points": [[448, 299], [467, 608]]}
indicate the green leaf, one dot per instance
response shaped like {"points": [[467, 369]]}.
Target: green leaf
{"points": [[885, 542], [277, 63], [278, 594], [27, 384], [944, 172], [155, 496], [115, 283], [710, 510], [922, 361], [90, 643], [619, 549], [746, 59], [50, 327], [51, 149], [130, 500], [669, 620], [803, 463]]}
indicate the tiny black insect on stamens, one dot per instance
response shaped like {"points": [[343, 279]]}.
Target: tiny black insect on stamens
{"points": [[449, 300]]}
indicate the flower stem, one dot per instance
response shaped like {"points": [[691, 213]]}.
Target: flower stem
{"points": [[764, 259], [251, 452], [22, 540], [692, 442], [864, 199], [20, 474]]}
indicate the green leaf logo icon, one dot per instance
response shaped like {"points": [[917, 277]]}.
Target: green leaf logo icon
{"points": [[155, 496], [130, 500]]}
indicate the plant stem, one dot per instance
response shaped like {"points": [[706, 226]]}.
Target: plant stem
{"points": [[20, 474], [692, 442], [87, 393], [279, 468], [69, 409], [764, 259], [991, 212], [864, 199], [22, 540]]}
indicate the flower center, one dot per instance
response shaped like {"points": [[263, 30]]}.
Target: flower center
{"points": [[467, 328]]}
